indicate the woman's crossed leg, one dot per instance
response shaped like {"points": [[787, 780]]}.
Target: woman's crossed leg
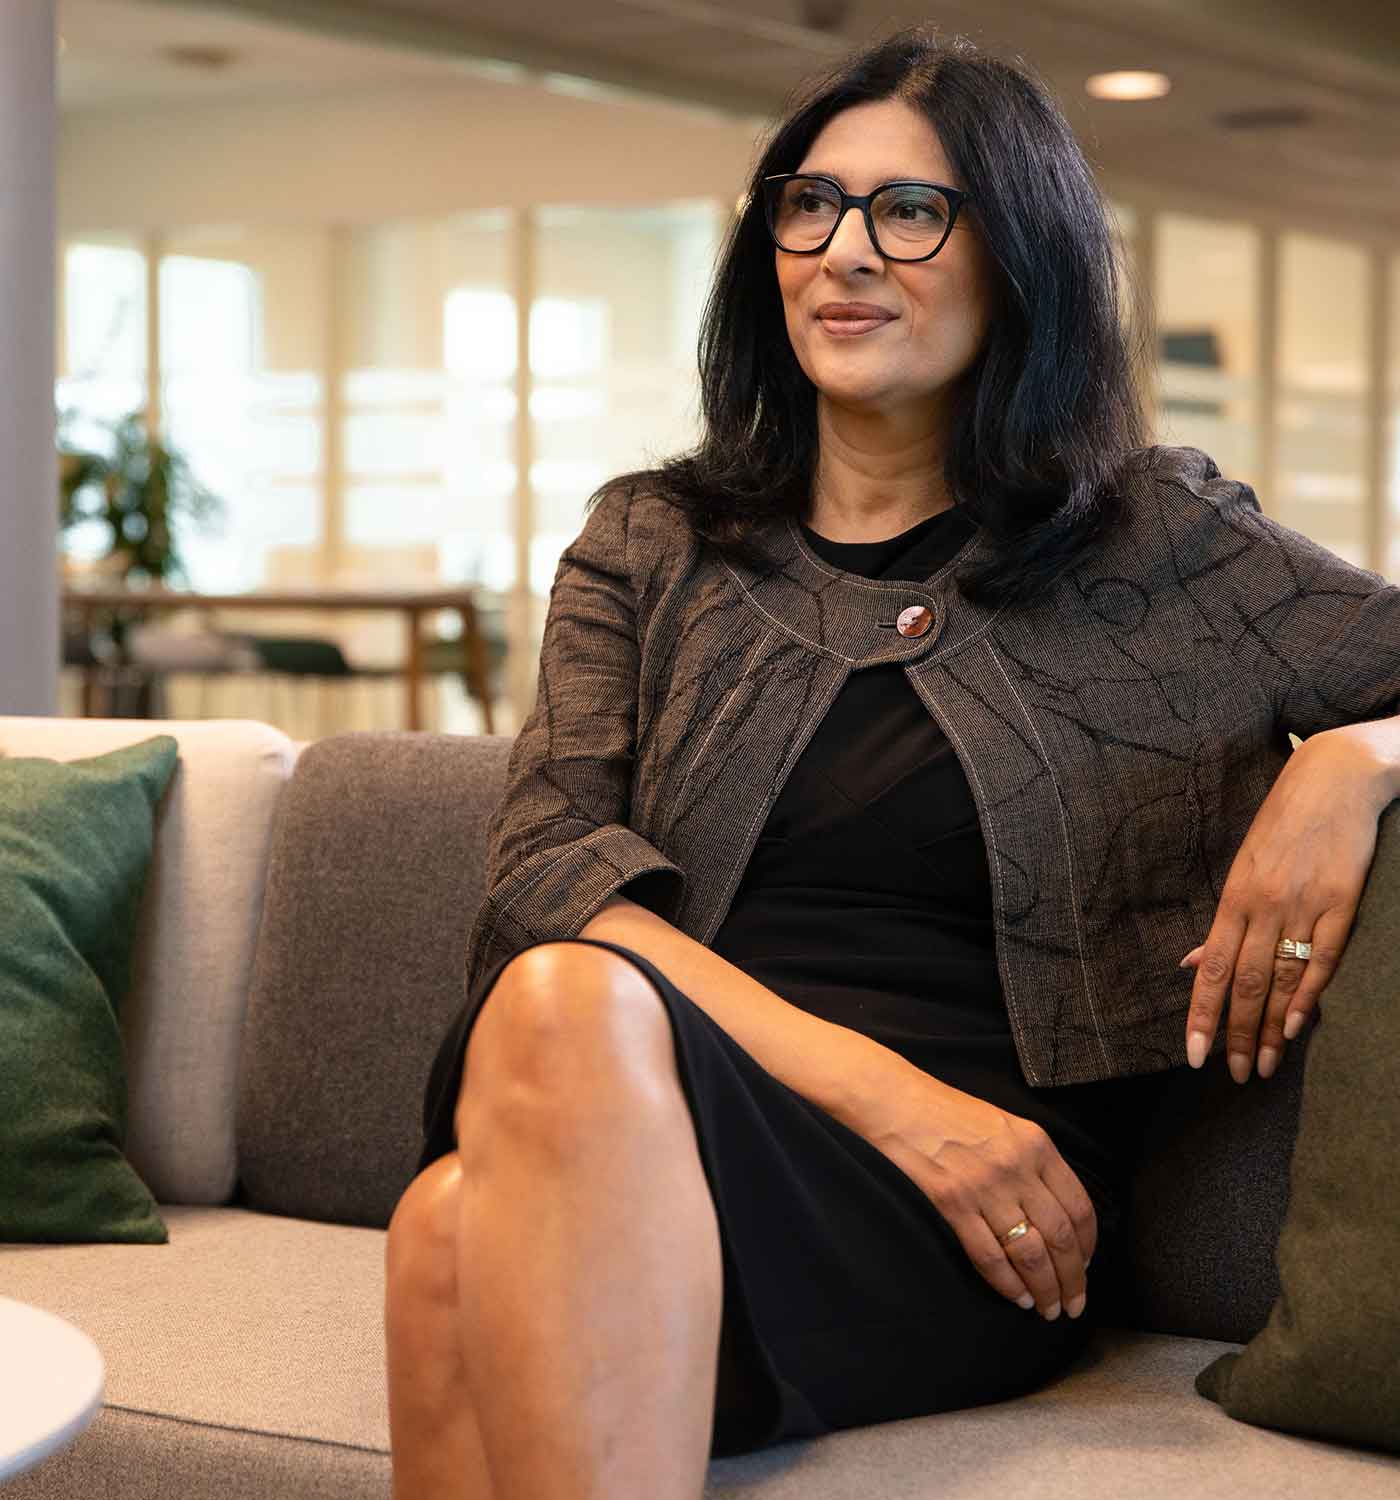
{"points": [[554, 1287]]}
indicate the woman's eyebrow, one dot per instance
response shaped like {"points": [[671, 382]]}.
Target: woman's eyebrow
{"points": [[886, 177]]}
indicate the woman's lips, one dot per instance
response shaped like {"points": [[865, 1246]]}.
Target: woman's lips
{"points": [[851, 320]]}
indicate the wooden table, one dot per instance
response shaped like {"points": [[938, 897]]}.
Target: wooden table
{"points": [[411, 604], [51, 1379]]}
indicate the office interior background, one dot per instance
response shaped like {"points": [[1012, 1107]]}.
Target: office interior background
{"points": [[405, 281]]}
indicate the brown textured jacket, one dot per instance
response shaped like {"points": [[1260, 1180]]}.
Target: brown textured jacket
{"points": [[1118, 735]]}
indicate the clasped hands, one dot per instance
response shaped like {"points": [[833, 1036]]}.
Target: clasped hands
{"points": [[1299, 874]]}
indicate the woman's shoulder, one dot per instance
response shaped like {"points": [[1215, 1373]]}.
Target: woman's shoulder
{"points": [[640, 494], [634, 520], [1179, 519], [1179, 477]]}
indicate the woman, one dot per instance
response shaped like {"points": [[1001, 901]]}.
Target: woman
{"points": [[890, 749]]}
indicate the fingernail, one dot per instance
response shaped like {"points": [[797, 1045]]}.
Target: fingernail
{"points": [[1197, 1045], [1025, 1300], [1268, 1061], [1052, 1312], [1075, 1305], [1185, 962], [1239, 1067], [1293, 1024]]}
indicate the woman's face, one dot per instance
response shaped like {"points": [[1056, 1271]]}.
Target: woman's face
{"points": [[940, 308]]}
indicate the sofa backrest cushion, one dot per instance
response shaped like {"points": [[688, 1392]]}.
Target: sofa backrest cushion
{"points": [[1208, 1202], [191, 966], [376, 875]]}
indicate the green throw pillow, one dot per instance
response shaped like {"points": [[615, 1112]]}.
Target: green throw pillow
{"points": [[1327, 1363], [75, 842]]}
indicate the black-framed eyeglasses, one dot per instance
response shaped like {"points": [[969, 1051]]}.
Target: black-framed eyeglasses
{"points": [[905, 220]]}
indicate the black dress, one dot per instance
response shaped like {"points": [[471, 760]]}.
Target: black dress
{"points": [[848, 1298]]}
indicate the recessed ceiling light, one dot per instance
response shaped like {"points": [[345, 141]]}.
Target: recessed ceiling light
{"points": [[1128, 85]]}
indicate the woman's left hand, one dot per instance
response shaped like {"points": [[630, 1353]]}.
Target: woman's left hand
{"points": [[1299, 874]]}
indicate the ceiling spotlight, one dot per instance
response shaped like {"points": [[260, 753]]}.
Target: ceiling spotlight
{"points": [[1128, 85]]}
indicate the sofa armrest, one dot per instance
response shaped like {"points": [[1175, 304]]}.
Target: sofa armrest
{"points": [[183, 1019]]}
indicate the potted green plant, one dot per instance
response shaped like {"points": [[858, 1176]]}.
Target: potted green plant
{"points": [[141, 491]]}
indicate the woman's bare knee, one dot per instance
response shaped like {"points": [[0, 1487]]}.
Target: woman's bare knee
{"points": [[421, 1251], [554, 987], [559, 1025], [554, 997]]}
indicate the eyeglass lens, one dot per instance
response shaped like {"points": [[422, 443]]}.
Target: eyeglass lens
{"points": [[910, 218]]}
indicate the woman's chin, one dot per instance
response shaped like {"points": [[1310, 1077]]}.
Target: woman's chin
{"points": [[863, 397]]}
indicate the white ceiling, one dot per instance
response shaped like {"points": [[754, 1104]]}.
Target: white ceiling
{"points": [[1338, 64], [116, 56]]}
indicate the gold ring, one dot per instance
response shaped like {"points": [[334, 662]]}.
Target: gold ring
{"points": [[1292, 948], [1015, 1232]]}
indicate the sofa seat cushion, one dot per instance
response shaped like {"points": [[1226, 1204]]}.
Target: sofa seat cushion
{"points": [[243, 1320], [1124, 1423], [257, 1342]]}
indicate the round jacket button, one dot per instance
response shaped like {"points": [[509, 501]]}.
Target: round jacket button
{"points": [[915, 620]]}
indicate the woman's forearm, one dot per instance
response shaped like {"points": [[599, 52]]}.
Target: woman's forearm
{"points": [[842, 1071]]}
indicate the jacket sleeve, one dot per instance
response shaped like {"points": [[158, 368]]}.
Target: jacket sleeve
{"points": [[558, 844], [1322, 634]]}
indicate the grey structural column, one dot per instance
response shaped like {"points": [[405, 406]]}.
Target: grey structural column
{"points": [[28, 463]]}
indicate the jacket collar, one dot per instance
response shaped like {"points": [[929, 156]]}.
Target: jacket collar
{"points": [[852, 618]]}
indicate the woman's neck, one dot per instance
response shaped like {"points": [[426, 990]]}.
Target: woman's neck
{"points": [[875, 476]]}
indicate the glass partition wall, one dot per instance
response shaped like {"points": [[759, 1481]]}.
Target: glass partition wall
{"points": [[1207, 303], [354, 397], [372, 408], [1323, 437]]}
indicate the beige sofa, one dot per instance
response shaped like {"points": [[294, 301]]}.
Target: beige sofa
{"points": [[300, 953]]}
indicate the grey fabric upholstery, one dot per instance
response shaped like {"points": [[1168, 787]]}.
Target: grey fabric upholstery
{"points": [[375, 875], [130, 1455], [1209, 1202], [245, 1362], [243, 1320], [245, 1359], [1117, 1426]]}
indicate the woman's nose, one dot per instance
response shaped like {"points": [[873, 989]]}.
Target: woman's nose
{"points": [[851, 245]]}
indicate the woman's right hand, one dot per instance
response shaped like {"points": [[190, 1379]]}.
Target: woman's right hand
{"points": [[986, 1170]]}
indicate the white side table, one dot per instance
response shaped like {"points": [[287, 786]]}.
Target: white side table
{"points": [[50, 1385]]}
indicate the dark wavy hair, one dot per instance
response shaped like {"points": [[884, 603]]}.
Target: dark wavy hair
{"points": [[1044, 419]]}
